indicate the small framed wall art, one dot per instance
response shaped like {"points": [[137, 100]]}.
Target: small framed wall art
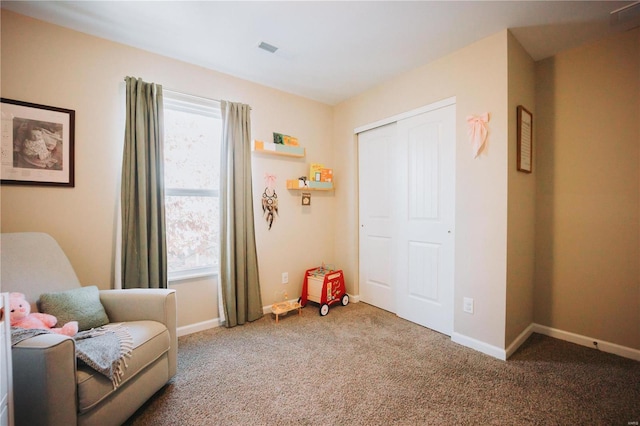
{"points": [[525, 140], [37, 144]]}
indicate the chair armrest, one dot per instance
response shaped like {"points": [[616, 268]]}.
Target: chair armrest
{"points": [[145, 304], [44, 380]]}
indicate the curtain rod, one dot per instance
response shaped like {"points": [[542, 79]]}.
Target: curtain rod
{"points": [[183, 93], [189, 94]]}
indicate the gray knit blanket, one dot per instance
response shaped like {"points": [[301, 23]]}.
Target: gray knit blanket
{"points": [[104, 349]]}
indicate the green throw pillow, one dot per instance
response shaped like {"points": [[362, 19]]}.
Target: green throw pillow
{"points": [[80, 304]]}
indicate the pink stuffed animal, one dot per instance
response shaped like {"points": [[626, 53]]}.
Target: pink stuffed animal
{"points": [[21, 317]]}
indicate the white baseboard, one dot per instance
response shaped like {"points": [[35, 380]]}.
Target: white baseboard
{"points": [[519, 340], [567, 336], [199, 326], [604, 346], [578, 339], [479, 346]]}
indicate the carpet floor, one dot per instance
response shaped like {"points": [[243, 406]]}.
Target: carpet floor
{"points": [[361, 365]]}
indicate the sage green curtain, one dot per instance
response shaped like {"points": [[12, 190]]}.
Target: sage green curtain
{"points": [[144, 248], [239, 280]]}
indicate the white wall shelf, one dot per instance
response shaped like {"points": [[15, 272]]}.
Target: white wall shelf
{"points": [[311, 185], [278, 149]]}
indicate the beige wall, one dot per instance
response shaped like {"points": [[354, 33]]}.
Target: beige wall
{"points": [[521, 201], [477, 76], [587, 222], [588, 191], [50, 65]]}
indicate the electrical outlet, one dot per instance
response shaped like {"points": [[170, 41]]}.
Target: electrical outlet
{"points": [[285, 277], [467, 305]]}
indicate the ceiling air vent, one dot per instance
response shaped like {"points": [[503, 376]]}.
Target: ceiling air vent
{"points": [[268, 47]]}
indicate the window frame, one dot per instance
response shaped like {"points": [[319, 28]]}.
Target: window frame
{"points": [[177, 101]]}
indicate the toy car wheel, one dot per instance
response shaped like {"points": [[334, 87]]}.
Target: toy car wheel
{"points": [[345, 300], [324, 310]]}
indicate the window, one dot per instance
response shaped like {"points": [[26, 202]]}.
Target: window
{"points": [[192, 128]]}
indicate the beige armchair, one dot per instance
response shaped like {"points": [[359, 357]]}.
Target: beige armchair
{"points": [[50, 386]]}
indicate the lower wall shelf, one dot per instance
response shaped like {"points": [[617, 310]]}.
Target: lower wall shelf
{"points": [[311, 185]]}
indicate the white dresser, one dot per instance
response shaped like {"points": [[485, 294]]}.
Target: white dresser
{"points": [[6, 384]]}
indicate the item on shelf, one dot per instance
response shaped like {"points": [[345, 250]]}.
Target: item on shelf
{"points": [[326, 175], [280, 139], [291, 141], [315, 171]]}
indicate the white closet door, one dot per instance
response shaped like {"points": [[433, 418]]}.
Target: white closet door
{"points": [[425, 219], [375, 149], [407, 216]]}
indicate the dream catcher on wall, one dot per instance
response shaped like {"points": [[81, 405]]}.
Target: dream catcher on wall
{"points": [[269, 199]]}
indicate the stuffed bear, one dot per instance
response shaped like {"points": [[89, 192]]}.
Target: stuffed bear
{"points": [[21, 317]]}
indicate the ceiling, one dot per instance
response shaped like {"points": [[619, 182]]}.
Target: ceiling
{"points": [[328, 51]]}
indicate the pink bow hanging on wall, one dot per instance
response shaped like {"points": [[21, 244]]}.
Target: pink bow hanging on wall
{"points": [[477, 129], [269, 180]]}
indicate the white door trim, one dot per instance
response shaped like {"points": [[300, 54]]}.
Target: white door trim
{"points": [[427, 108]]}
